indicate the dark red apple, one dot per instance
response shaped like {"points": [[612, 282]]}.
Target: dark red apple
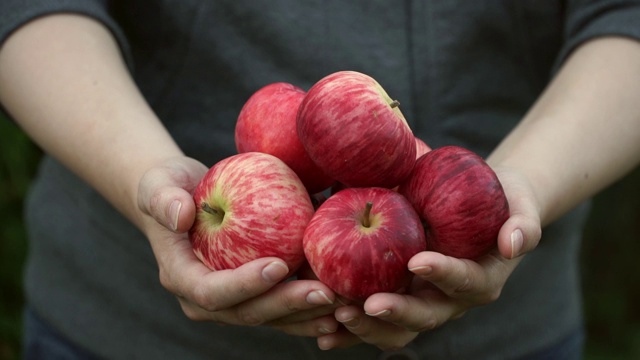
{"points": [[461, 200], [249, 206], [355, 132], [267, 123], [360, 240]]}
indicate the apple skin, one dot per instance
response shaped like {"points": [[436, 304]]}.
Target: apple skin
{"points": [[262, 209], [355, 132], [267, 123], [461, 200], [421, 148], [357, 261]]}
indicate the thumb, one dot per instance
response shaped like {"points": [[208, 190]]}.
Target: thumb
{"points": [[164, 194], [173, 208], [519, 235]]}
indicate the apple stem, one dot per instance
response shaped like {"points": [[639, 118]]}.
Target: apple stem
{"points": [[208, 209], [394, 104], [366, 221]]}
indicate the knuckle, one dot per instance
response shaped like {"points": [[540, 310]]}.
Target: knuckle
{"points": [[242, 286], [427, 325], [165, 280], [465, 287], [204, 299], [290, 304], [191, 313], [168, 283], [490, 297], [247, 316], [155, 204]]}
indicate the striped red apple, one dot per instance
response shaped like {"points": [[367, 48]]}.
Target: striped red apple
{"points": [[267, 123], [461, 200], [249, 206], [355, 132], [360, 240]]}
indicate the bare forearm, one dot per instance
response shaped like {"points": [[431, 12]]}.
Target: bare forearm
{"points": [[64, 81], [584, 132]]}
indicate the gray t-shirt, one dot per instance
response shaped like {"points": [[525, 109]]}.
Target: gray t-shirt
{"points": [[465, 73]]}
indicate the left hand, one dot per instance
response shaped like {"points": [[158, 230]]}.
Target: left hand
{"points": [[444, 287]]}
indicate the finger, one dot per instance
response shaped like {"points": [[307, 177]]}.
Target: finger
{"points": [[455, 277], [383, 334], [311, 328], [164, 193], [476, 282], [519, 235], [522, 231], [288, 302], [218, 290], [173, 208], [415, 314], [317, 310], [340, 339], [285, 304]]}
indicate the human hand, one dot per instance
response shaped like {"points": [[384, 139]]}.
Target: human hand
{"points": [[444, 287], [252, 294]]}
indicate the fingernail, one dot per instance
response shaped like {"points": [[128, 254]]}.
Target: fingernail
{"points": [[517, 240], [381, 313], [174, 214], [352, 322], [422, 270], [318, 297], [275, 271], [342, 301], [323, 344], [325, 331]]}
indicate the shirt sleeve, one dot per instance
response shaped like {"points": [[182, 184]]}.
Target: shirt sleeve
{"points": [[15, 13], [589, 19]]}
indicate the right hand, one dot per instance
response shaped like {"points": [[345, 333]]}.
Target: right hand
{"points": [[444, 287], [252, 294]]}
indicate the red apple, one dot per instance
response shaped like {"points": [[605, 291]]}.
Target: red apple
{"points": [[421, 147], [249, 206], [360, 240], [355, 132], [460, 198], [267, 123]]}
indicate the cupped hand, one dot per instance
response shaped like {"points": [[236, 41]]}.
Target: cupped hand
{"points": [[252, 294], [444, 288]]}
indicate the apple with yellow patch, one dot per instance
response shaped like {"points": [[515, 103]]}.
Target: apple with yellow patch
{"points": [[249, 206], [360, 240]]}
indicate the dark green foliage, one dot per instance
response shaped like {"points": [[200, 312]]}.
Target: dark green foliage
{"points": [[611, 272], [18, 159]]}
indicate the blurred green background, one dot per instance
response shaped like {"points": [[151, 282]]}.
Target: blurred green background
{"points": [[610, 255]]}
